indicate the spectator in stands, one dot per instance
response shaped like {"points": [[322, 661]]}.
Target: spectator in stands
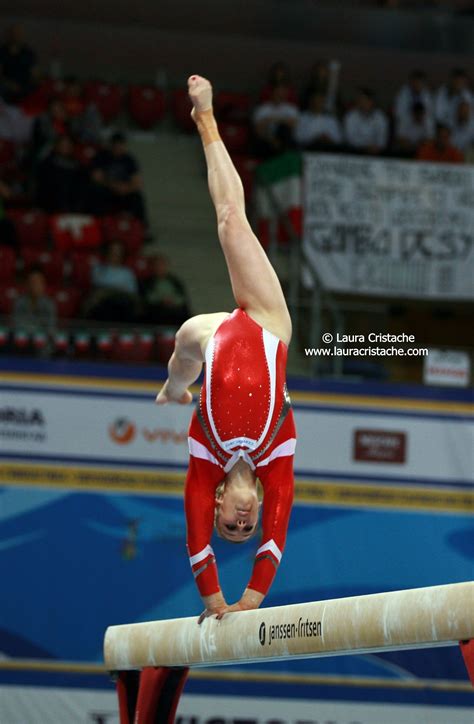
{"points": [[440, 149], [59, 182], [462, 132], [34, 311], [18, 67], [115, 294], [318, 82], [47, 128], [274, 123], [413, 129], [366, 126], [15, 126], [279, 74], [164, 296], [84, 118], [415, 91], [116, 181], [317, 129], [449, 97]]}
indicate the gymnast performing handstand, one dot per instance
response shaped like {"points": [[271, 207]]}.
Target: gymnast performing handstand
{"points": [[243, 427]]}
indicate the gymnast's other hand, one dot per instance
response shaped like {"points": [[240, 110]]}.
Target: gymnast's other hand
{"points": [[168, 394]]}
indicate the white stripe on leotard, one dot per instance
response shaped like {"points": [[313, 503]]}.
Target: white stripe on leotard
{"points": [[272, 547], [198, 450], [283, 450], [207, 551]]}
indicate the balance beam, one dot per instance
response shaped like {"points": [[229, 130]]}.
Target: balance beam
{"points": [[416, 618]]}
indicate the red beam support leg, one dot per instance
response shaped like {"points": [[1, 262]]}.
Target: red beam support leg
{"points": [[150, 697], [467, 649]]}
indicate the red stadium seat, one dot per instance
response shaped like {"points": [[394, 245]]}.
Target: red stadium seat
{"points": [[8, 295], [51, 262], [232, 107], [71, 232], [142, 266], [82, 342], [82, 265], [181, 109], [21, 341], [61, 342], [107, 97], [127, 229], [67, 302], [31, 226], [7, 265], [146, 105], [235, 136]]}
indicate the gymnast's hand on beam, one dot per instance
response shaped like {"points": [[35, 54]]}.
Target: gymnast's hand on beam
{"points": [[215, 606], [168, 394]]}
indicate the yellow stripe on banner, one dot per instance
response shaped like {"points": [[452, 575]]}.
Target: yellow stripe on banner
{"points": [[310, 398], [385, 403], [313, 492], [71, 667]]}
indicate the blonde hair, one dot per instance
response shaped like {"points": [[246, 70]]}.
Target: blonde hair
{"points": [[219, 494]]}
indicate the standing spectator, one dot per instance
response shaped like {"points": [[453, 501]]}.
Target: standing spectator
{"points": [[116, 181], [59, 179], [440, 149], [320, 82], [462, 132], [316, 129], [415, 91], [413, 129], [164, 296], [366, 126], [34, 311], [449, 96], [47, 128], [115, 294], [274, 122], [279, 74], [18, 69]]}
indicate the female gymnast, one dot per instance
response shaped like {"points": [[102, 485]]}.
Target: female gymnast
{"points": [[243, 426]]}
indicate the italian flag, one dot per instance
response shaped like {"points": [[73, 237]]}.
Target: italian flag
{"points": [[282, 178]]}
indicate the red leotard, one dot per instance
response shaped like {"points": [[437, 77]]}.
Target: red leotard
{"points": [[244, 411]]}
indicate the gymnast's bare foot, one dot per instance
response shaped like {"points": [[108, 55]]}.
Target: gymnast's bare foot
{"points": [[200, 93]]}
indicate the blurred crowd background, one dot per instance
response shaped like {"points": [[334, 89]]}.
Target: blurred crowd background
{"points": [[101, 179]]}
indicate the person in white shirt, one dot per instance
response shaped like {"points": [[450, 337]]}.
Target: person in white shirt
{"points": [[462, 130], [316, 128], [274, 122], [366, 126], [413, 130], [414, 91], [449, 96]]}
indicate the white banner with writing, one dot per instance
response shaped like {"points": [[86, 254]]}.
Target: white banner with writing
{"points": [[388, 227]]}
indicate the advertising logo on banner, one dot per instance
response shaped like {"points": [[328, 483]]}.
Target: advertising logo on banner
{"points": [[381, 226], [445, 367], [379, 446], [24, 423]]}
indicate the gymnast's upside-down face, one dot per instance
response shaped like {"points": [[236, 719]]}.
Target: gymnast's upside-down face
{"points": [[237, 513]]}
